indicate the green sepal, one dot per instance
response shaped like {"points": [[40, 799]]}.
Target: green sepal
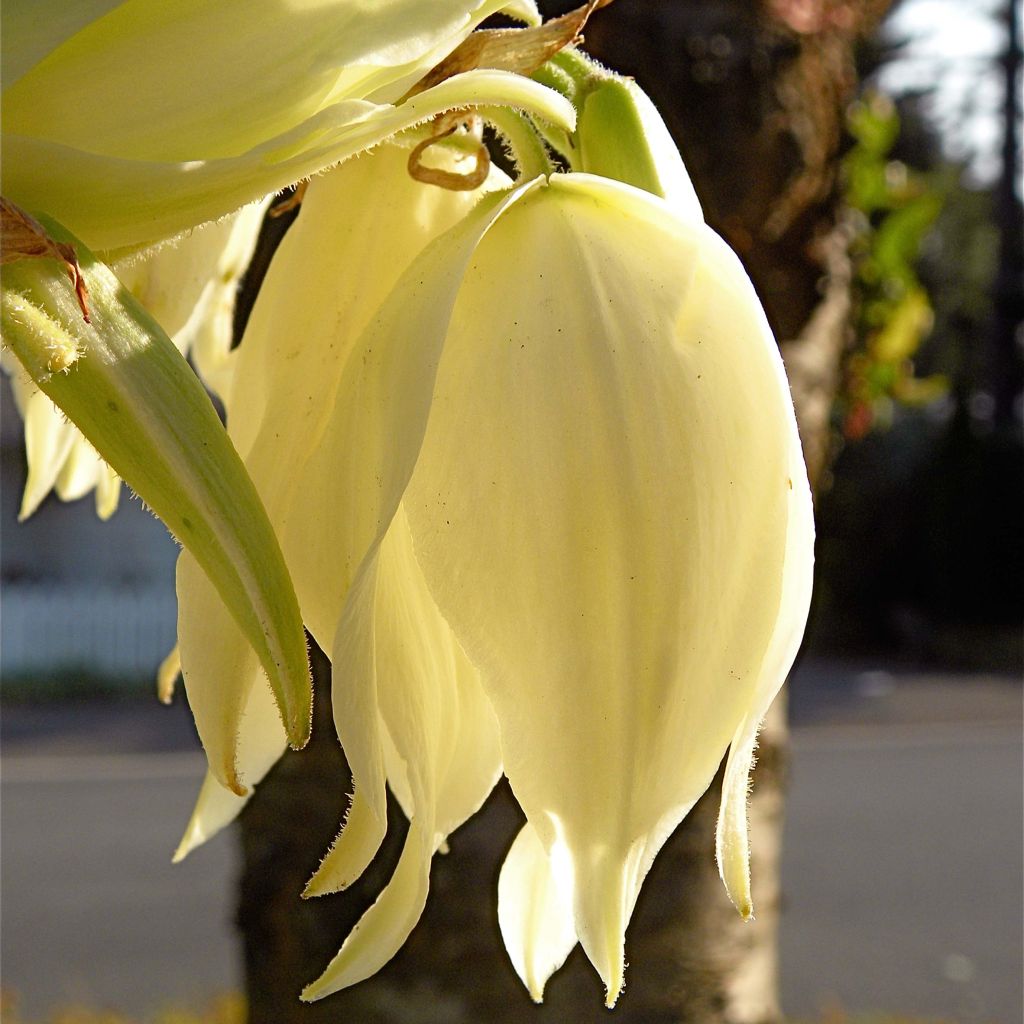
{"points": [[619, 133], [122, 382], [613, 140]]}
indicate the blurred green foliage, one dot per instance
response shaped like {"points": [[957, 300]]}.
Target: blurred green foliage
{"points": [[893, 210]]}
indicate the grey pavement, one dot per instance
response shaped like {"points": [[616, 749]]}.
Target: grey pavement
{"points": [[902, 868]]}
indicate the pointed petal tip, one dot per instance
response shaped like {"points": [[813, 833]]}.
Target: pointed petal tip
{"points": [[320, 886], [191, 840], [185, 847], [614, 989], [167, 675], [318, 989], [228, 777]]}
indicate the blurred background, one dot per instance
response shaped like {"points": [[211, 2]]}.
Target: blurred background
{"points": [[901, 859]]}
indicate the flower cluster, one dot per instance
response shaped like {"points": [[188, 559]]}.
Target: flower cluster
{"points": [[527, 448]]}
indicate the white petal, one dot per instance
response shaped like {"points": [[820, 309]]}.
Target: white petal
{"points": [[732, 846], [347, 430], [220, 669], [402, 682], [108, 492], [261, 741], [395, 653], [119, 203], [49, 438], [189, 284], [80, 472], [301, 336], [535, 913], [600, 509], [188, 80], [382, 930], [354, 702]]}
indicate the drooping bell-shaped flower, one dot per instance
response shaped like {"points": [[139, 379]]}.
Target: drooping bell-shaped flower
{"points": [[131, 122], [596, 457], [335, 267], [569, 481]]}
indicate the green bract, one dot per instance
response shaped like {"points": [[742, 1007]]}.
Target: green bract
{"points": [[122, 382], [188, 287]]}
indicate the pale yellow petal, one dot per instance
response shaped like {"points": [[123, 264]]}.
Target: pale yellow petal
{"points": [[261, 741], [120, 203], [49, 438], [732, 845], [353, 425], [354, 701], [535, 912], [80, 472], [190, 80], [289, 378], [396, 657], [429, 694], [108, 492], [382, 930], [600, 509], [189, 284], [405, 698], [219, 668]]}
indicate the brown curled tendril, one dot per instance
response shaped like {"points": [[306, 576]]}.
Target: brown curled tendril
{"points": [[446, 125]]}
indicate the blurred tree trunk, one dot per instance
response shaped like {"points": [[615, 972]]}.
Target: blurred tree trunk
{"points": [[754, 91]]}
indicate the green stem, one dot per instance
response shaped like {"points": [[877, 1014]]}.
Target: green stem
{"points": [[528, 150]]}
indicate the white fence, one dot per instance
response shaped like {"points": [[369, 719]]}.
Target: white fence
{"points": [[117, 632]]}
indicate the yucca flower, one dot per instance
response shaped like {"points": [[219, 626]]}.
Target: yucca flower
{"points": [[528, 449], [108, 129], [548, 513], [104, 132]]}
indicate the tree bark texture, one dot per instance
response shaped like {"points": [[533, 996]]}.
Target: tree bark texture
{"points": [[754, 92]]}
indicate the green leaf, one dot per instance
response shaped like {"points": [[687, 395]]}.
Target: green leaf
{"points": [[121, 381]]}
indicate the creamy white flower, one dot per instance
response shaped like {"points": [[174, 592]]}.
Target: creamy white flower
{"points": [[336, 266], [162, 114], [555, 463]]}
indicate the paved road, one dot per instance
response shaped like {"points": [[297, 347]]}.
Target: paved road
{"points": [[902, 868]]}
